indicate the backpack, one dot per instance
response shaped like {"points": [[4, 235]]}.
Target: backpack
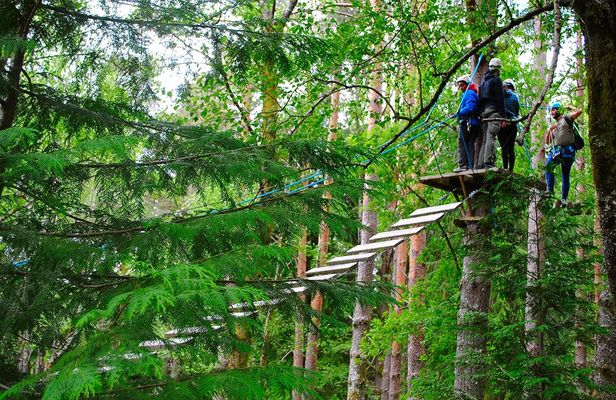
{"points": [[578, 140]]}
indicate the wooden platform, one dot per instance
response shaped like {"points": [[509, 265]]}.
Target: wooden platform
{"points": [[465, 182]]}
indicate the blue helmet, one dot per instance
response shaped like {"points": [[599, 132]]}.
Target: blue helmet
{"points": [[555, 105]]}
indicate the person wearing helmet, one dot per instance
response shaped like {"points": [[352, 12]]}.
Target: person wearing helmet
{"points": [[559, 148], [468, 120], [491, 108], [507, 134]]}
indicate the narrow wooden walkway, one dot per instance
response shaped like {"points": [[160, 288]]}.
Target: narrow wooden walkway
{"points": [[462, 184]]}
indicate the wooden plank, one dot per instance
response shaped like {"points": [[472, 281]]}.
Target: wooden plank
{"points": [[436, 209], [190, 331], [161, 344], [375, 246], [353, 258], [256, 304], [241, 314], [473, 179], [321, 277], [340, 268], [400, 233], [417, 221]]}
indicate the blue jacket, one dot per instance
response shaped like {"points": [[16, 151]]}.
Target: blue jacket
{"points": [[512, 104], [469, 108]]}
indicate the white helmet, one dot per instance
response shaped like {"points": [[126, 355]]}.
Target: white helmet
{"points": [[495, 63], [463, 78], [509, 82]]}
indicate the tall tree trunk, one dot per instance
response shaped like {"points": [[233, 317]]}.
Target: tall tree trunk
{"points": [[599, 27], [540, 64], [536, 258], [298, 345], [25, 352], [580, 166], [384, 376], [396, 356], [417, 271], [361, 315], [323, 248], [470, 380]]}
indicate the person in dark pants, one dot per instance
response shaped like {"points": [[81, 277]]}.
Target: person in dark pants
{"points": [[491, 112], [559, 149], [507, 134], [468, 118]]}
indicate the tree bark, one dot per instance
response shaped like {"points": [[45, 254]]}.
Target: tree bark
{"points": [[323, 248], [361, 315], [598, 20], [580, 166], [385, 376], [469, 380], [417, 271], [540, 63], [536, 258], [298, 345], [396, 356]]}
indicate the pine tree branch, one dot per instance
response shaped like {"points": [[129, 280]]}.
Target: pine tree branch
{"points": [[142, 228], [146, 23], [52, 207]]}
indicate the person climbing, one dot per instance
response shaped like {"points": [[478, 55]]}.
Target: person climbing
{"points": [[468, 120], [491, 112], [507, 134], [559, 149]]}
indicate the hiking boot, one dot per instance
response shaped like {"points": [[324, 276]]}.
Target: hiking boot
{"points": [[559, 203], [460, 169]]}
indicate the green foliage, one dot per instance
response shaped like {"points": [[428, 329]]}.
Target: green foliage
{"points": [[130, 241]]}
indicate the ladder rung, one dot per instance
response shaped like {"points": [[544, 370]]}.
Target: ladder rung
{"points": [[375, 246], [352, 258], [435, 209], [401, 233], [161, 344], [329, 269], [321, 277], [416, 221]]}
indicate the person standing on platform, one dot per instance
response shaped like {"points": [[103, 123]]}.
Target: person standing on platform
{"points": [[491, 112], [559, 149], [507, 135], [468, 119]]}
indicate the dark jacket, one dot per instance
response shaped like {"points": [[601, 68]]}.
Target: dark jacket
{"points": [[491, 93], [469, 107]]}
